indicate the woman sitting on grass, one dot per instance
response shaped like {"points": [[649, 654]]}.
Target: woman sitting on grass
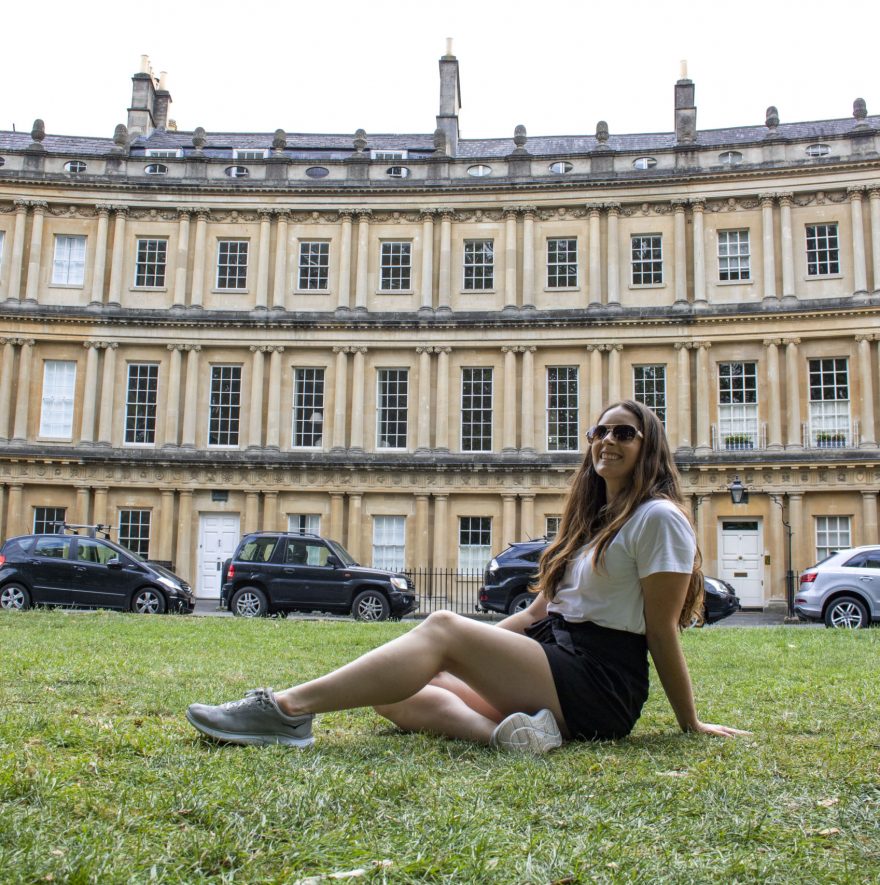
{"points": [[619, 580]]}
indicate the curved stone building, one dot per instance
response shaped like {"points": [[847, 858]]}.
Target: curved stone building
{"points": [[400, 340]]}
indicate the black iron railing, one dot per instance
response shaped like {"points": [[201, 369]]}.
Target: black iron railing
{"points": [[454, 589]]}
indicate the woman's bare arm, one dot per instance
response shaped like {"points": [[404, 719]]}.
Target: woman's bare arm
{"points": [[664, 594], [518, 622]]}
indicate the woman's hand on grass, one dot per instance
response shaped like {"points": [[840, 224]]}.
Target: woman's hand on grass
{"points": [[716, 730]]}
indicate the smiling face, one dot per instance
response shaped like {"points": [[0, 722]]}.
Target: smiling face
{"points": [[615, 461]]}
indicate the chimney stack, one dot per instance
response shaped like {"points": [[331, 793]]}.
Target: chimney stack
{"points": [[685, 109], [150, 101], [450, 99]]}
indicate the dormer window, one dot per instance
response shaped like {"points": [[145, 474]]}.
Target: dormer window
{"points": [[388, 155], [397, 172], [74, 166], [644, 163], [166, 153], [156, 169], [730, 158], [561, 167], [249, 154], [479, 171], [238, 171], [818, 150]]}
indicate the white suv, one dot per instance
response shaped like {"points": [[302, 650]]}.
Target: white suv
{"points": [[843, 589]]}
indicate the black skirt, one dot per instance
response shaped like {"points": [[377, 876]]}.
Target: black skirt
{"points": [[601, 675]]}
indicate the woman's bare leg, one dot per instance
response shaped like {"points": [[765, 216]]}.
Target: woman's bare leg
{"points": [[508, 670]]}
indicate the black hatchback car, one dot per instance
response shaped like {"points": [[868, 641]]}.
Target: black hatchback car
{"points": [[508, 577], [277, 572], [91, 572]]}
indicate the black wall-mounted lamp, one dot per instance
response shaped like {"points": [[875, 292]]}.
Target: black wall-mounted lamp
{"points": [[739, 494]]}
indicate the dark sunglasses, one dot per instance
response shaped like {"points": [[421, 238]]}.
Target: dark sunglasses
{"points": [[622, 433]]}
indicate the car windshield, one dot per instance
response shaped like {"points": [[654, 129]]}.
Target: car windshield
{"points": [[344, 556]]}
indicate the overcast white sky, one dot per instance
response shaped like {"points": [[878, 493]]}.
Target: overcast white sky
{"points": [[557, 67]]}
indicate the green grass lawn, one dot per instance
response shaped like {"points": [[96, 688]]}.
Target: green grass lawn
{"points": [[102, 780]]}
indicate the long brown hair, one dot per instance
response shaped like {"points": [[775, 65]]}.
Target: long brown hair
{"points": [[589, 517]]}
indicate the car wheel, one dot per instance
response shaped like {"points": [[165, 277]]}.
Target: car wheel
{"points": [[520, 603], [148, 601], [249, 602], [370, 605], [13, 597], [847, 611]]}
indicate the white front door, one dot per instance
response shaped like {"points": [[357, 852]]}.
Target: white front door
{"points": [[218, 536], [741, 560]]}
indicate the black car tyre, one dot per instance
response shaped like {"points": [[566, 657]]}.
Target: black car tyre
{"points": [[520, 602], [249, 602], [848, 612], [14, 597], [148, 601], [371, 605]]}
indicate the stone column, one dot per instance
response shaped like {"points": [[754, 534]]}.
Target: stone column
{"points": [[528, 273], [704, 395], [441, 555], [172, 397], [527, 517], [15, 521], [427, 279], [6, 387], [680, 251], [262, 296], [343, 301], [279, 287], [769, 248], [596, 399], [180, 267], [108, 399], [801, 554], [788, 284], [355, 523], [869, 518], [444, 288], [874, 197], [860, 270], [255, 422], [595, 255], [441, 433], [793, 394], [423, 431], [13, 290], [508, 440], [191, 396], [340, 398], [183, 554], [697, 208], [866, 412], [683, 399], [527, 431], [614, 351], [420, 554], [90, 393], [23, 397], [81, 508], [166, 521], [363, 260], [197, 296], [273, 418], [774, 403], [100, 264], [3, 532], [32, 286], [508, 523], [510, 259], [270, 512], [251, 512], [337, 503], [357, 400], [117, 257], [613, 254], [99, 505]]}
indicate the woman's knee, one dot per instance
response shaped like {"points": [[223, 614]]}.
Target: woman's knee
{"points": [[442, 620]]}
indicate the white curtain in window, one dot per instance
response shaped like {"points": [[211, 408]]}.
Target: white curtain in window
{"points": [[59, 382], [389, 539]]}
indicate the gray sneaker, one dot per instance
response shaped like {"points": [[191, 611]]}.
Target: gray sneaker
{"points": [[521, 733], [256, 719]]}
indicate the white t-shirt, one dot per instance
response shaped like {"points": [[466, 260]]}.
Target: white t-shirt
{"points": [[656, 538]]}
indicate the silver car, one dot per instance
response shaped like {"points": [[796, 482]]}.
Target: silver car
{"points": [[843, 589]]}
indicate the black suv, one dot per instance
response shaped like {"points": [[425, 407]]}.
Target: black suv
{"points": [[507, 580], [277, 572], [86, 571]]}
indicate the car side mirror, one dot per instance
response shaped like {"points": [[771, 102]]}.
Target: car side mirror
{"points": [[333, 561], [115, 563]]}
